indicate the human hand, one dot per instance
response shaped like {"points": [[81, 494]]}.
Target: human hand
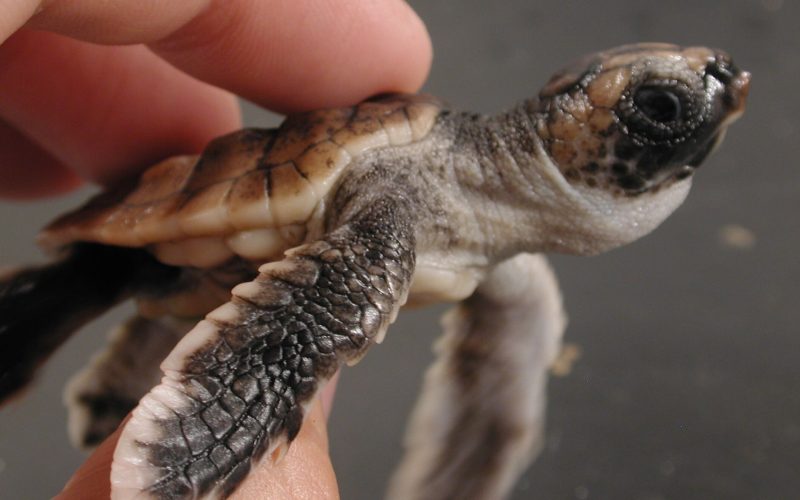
{"points": [[76, 105], [72, 110]]}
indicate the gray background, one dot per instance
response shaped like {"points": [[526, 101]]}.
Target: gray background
{"points": [[687, 387]]}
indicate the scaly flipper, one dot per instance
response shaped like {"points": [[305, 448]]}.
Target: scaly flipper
{"points": [[479, 421], [101, 395], [236, 387], [41, 307]]}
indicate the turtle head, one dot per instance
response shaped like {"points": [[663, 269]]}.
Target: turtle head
{"points": [[639, 118], [621, 133]]}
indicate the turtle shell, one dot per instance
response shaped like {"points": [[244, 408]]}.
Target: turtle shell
{"points": [[249, 193]]}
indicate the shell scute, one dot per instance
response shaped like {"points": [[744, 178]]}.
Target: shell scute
{"points": [[248, 203], [302, 131], [320, 162], [154, 223], [162, 180], [229, 157], [397, 127], [421, 116], [204, 212], [290, 194]]}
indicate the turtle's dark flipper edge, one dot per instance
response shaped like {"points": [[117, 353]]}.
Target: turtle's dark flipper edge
{"points": [[40, 307]]}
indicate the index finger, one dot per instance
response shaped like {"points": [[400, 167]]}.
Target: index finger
{"points": [[283, 54], [289, 54]]}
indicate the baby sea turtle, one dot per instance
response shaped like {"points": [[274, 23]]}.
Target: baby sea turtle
{"points": [[299, 244]]}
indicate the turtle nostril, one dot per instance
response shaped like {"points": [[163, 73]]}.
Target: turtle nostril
{"points": [[722, 69], [736, 82], [719, 72]]}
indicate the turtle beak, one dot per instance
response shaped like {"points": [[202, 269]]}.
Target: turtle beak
{"points": [[735, 97], [731, 103], [733, 85]]}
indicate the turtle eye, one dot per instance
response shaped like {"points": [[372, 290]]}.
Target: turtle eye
{"points": [[658, 104], [664, 109]]}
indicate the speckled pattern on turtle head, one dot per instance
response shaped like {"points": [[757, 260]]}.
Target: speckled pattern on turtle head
{"points": [[298, 245]]}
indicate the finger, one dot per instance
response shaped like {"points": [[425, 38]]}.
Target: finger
{"points": [[100, 21], [43, 174], [92, 479], [104, 111], [14, 14], [328, 393], [305, 472], [300, 54], [284, 54]]}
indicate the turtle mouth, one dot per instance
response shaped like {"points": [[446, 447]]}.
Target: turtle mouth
{"points": [[736, 91], [706, 151], [732, 102]]}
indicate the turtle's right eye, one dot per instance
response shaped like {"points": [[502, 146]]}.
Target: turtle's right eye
{"points": [[662, 111], [658, 104]]}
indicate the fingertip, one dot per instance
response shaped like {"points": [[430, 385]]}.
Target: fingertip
{"points": [[93, 478], [297, 55]]}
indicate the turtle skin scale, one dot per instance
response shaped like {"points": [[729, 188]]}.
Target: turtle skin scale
{"points": [[264, 264]]}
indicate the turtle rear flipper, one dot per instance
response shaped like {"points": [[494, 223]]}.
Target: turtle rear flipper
{"points": [[236, 387], [101, 395], [40, 307]]}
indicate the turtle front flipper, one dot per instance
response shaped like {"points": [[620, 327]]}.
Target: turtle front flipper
{"points": [[237, 386], [479, 421], [101, 395]]}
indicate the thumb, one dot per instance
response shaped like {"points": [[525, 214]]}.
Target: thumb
{"points": [[306, 472]]}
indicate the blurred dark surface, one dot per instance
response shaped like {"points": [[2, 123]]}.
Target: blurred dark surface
{"points": [[688, 383]]}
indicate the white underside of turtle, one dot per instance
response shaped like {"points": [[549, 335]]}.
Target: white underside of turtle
{"points": [[263, 265]]}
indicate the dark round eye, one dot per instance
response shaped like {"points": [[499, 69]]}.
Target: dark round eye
{"points": [[658, 104], [663, 110]]}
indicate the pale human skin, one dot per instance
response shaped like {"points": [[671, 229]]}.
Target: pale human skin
{"points": [[74, 112]]}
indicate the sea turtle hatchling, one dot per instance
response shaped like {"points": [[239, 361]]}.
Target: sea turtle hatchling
{"points": [[322, 228]]}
